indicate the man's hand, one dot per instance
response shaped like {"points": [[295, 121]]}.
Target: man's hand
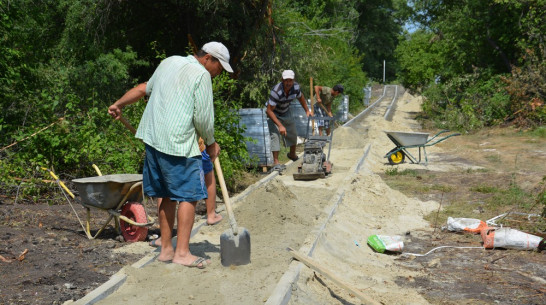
{"points": [[282, 130], [128, 98], [308, 113], [114, 111], [213, 150]]}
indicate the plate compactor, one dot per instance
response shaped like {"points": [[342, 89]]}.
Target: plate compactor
{"points": [[316, 164]]}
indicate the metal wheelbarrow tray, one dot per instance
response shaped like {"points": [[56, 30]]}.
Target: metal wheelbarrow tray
{"points": [[120, 196], [105, 192], [404, 140]]}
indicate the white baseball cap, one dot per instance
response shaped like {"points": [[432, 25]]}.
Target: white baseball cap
{"points": [[288, 74], [220, 52]]}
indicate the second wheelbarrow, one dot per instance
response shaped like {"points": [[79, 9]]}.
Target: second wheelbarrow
{"points": [[405, 140]]}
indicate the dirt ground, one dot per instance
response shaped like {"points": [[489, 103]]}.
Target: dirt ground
{"points": [[59, 262], [62, 264]]}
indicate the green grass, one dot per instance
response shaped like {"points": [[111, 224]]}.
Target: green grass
{"points": [[512, 196], [493, 158], [539, 132], [502, 200], [479, 170], [441, 187], [485, 189], [393, 171]]}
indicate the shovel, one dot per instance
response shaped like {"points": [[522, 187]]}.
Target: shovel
{"points": [[234, 243]]}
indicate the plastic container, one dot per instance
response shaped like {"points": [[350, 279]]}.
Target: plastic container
{"points": [[255, 121]]}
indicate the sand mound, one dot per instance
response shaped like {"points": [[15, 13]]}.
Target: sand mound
{"points": [[347, 137]]}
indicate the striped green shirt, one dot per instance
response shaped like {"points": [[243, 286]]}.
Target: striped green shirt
{"points": [[180, 108]]}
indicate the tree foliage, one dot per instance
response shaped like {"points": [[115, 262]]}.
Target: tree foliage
{"points": [[467, 47], [63, 62], [313, 38]]}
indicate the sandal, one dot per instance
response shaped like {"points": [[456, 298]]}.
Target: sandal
{"points": [[293, 159], [277, 167], [195, 264], [152, 243]]}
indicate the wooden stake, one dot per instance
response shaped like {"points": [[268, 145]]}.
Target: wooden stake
{"points": [[315, 266], [312, 103], [22, 255]]}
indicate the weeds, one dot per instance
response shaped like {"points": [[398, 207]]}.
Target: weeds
{"points": [[393, 171], [539, 132], [485, 189], [493, 158]]}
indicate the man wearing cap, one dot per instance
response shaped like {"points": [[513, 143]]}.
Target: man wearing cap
{"points": [[179, 111], [280, 121], [325, 97]]}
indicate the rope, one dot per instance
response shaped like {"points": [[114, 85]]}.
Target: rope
{"points": [[415, 254], [65, 191]]}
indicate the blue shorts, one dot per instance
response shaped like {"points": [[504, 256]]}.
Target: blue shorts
{"points": [[207, 164], [178, 178]]}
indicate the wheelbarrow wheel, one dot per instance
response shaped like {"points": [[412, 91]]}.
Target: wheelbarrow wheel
{"points": [[136, 212], [397, 158]]}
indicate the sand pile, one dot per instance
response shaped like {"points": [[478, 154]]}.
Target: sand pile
{"points": [[369, 207], [347, 138]]}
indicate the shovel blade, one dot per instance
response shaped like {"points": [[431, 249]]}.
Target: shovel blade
{"points": [[235, 249]]}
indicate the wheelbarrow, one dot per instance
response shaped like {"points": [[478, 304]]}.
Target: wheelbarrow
{"points": [[118, 195], [406, 140]]}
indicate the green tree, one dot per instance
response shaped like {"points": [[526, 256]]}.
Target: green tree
{"points": [[481, 41], [377, 38]]}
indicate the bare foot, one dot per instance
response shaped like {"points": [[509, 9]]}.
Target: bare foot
{"points": [[166, 255], [214, 220]]}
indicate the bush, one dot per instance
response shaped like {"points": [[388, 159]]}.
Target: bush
{"points": [[468, 102]]}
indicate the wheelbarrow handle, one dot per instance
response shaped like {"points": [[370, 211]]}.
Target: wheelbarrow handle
{"points": [[441, 139], [436, 135], [58, 180]]}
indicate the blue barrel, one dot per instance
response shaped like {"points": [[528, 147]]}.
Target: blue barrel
{"points": [[299, 115], [255, 120], [343, 110], [367, 95]]}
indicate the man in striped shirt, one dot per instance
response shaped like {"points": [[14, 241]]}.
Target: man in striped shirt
{"points": [[280, 120], [179, 111]]}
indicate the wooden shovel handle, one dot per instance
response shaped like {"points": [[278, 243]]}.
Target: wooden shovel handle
{"points": [[225, 194], [127, 124], [324, 108]]}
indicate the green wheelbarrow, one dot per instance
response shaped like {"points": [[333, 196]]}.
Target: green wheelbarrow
{"points": [[406, 140], [120, 196]]}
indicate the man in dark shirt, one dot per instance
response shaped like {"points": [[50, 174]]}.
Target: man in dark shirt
{"points": [[280, 121]]}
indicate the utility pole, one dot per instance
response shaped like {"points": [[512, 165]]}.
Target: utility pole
{"points": [[384, 71]]}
